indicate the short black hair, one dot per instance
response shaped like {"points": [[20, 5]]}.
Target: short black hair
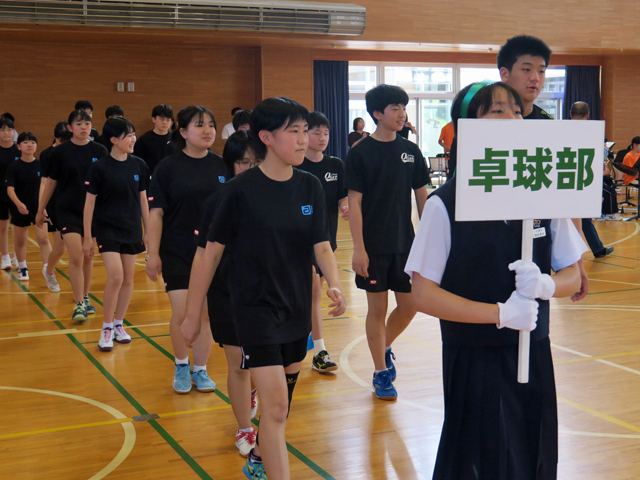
{"points": [[61, 132], [162, 110], [114, 111], [522, 45], [634, 141], [79, 114], [242, 117], [117, 127], [579, 109], [9, 116], [481, 101], [6, 122], [236, 147], [192, 113], [235, 109], [83, 105], [318, 119], [356, 121], [380, 97], [26, 136], [272, 114]]}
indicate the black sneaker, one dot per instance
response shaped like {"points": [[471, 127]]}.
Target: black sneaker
{"points": [[322, 362], [604, 253]]}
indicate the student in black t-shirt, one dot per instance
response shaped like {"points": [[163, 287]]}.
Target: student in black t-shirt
{"points": [[22, 182], [87, 107], [238, 156], [330, 172], [273, 218], [61, 134], [70, 163], [241, 120], [380, 172], [116, 201], [9, 153], [469, 274], [110, 112], [153, 145], [180, 184]]}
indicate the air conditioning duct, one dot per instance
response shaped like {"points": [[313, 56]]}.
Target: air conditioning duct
{"points": [[242, 15]]}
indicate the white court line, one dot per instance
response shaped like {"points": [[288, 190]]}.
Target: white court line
{"points": [[48, 333], [635, 232]]}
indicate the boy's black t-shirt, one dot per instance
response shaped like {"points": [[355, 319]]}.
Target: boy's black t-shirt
{"points": [[7, 156], [94, 134], [45, 165], [330, 172], [179, 186], [272, 227], [25, 179], [104, 141], [385, 173], [70, 164], [117, 212], [152, 148], [538, 114]]}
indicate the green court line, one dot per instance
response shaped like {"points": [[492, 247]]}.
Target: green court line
{"points": [[295, 452], [600, 262], [157, 427], [613, 291]]}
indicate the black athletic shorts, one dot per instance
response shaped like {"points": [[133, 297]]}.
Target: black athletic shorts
{"points": [[254, 356], [386, 272], [19, 220], [175, 282], [4, 210], [121, 248], [53, 223]]}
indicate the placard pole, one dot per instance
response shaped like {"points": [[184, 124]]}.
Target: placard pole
{"points": [[523, 346]]}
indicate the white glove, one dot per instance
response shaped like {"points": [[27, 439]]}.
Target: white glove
{"points": [[531, 283], [518, 313]]}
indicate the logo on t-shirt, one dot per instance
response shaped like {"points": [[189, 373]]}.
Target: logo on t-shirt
{"points": [[136, 178], [307, 209], [150, 199], [94, 159], [86, 182], [330, 177], [196, 232], [38, 173], [407, 158], [222, 179]]}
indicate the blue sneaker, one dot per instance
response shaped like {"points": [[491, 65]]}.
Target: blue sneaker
{"points": [[383, 386], [254, 471], [202, 381], [182, 379], [91, 310], [388, 356]]}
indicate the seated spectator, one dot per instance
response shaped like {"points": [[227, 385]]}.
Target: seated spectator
{"points": [[630, 160], [358, 132]]}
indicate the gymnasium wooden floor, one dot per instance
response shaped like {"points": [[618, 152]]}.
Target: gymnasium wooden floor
{"points": [[69, 411]]}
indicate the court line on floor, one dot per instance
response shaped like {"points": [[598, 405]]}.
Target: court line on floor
{"points": [[155, 425], [635, 232], [294, 451]]}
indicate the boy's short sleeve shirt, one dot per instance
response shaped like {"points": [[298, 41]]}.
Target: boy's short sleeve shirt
{"points": [[118, 185], [69, 166], [330, 172], [385, 173], [25, 179], [7, 156], [272, 228], [152, 148], [179, 186]]}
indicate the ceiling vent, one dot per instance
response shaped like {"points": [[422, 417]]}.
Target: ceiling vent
{"points": [[241, 15]]}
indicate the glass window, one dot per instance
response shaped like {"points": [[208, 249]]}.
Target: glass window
{"points": [[478, 74], [554, 80], [551, 106], [362, 77], [420, 79], [435, 115]]}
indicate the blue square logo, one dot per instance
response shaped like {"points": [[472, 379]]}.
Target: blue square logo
{"points": [[221, 179], [94, 159], [307, 209], [136, 178]]}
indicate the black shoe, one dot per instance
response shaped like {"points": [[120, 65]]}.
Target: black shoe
{"points": [[603, 253], [322, 362]]}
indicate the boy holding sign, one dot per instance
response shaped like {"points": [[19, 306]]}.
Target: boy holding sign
{"points": [[461, 272]]}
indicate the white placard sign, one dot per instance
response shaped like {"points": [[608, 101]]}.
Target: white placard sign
{"points": [[532, 169]]}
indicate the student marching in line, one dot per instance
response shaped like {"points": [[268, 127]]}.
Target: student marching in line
{"points": [[70, 163], [178, 187], [330, 172], [273, 218], [153, 145], [9, 153], [22, 182], [116, 200], [469, 274], [61, 134]]}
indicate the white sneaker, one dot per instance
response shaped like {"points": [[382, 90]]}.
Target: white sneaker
{"points": [[6, 264], [105, 343], [614, 216], [23, 273], [52, 281], [245, 442], [14, 262], [120, 335]]}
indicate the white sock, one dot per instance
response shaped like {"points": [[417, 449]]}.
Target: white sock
{"points": [[107, 325], [117, 322], [250, 429], [197, 368], [318, 346], [22, 264], [184, 361], [6, 257]]}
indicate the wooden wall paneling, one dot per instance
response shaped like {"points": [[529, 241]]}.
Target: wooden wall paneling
{"points": [[621, 97], [288, 72]]}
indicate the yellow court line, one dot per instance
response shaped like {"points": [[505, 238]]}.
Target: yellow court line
{"points": [[601, 415], [613, 355], [48, 333], [29, 321]]}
